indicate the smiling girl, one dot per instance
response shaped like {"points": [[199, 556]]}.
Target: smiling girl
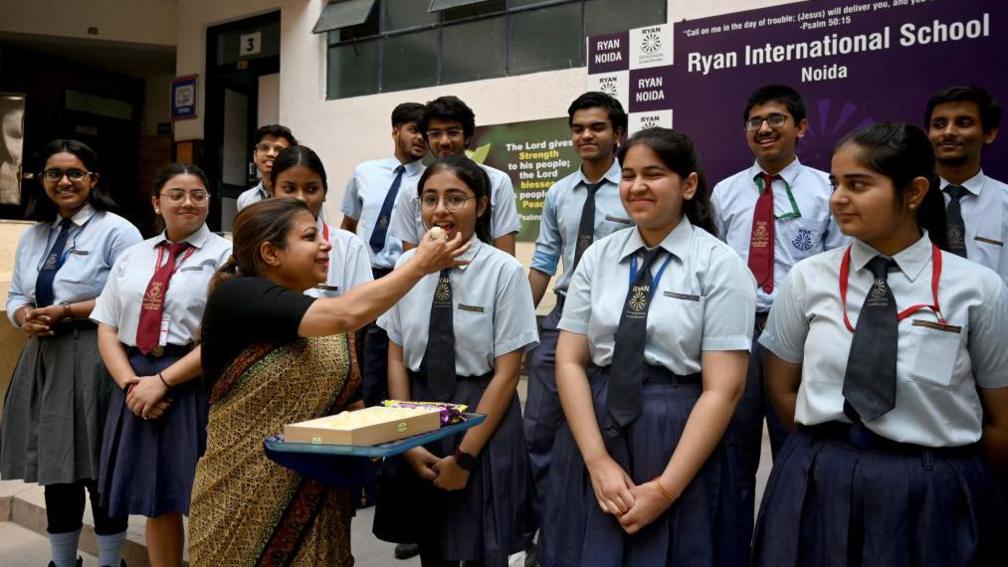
{"points": [[885, 356], [459, 337], [651, 362], [55, 409], [149, 315]]}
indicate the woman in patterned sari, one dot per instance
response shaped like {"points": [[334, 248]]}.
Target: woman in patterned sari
{"points": [[271, 356]]}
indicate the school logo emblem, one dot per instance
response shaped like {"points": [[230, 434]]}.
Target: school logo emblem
{"points": [[878, 294], [650, 123], [443, 292], [154, 297], [956, 237], [610, 88], [383, 222], [803, 241], [761, 235], [651, 42], [50, 263], [638, 299]]}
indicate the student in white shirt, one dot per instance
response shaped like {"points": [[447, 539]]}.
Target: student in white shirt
{"points": [[962, 122], [271, 139], [148, 319], [55, 407], [458, 337], [650, 364], [884, 355], [771, 231]]}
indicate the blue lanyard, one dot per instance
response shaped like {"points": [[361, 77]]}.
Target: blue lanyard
{"points": [[654, 279]]}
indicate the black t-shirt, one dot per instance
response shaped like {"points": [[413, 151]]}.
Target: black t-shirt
{"points": [[247, 310]]}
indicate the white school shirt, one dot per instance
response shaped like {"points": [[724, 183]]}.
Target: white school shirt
{"points": [[561, 219], [937, 371], [253, 195], [349, 265], [703, 301], [363, 199], [407, 223], [119, 303], [984, 209], [96, 239], [492, 311], [795, 237]]}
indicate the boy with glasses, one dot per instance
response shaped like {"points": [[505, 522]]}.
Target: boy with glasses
{"points": [[774, 213], [271, 139], [448, 125]]}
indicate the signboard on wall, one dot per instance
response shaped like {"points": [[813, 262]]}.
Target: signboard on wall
{"points": [[12, 109], [855, 62], [183, 97], [535, 154]]}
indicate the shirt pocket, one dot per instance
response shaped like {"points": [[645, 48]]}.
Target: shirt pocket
{"points": [[804, 237], [938, 347], [474, 329], [676, 318]]}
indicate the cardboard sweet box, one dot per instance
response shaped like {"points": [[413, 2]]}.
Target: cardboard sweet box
{"points": [[391, 421]]}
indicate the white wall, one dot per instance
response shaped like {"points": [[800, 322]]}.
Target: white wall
{"points": [[135, 21], [268, 111]]}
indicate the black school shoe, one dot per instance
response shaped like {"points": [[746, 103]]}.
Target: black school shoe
{"points": [[80, 562], [407, 550]]}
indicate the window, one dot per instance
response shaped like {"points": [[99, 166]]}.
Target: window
{"points": [[389, 45]]}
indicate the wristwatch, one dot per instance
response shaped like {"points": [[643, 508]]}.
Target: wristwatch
{"points": [[464, 460]]}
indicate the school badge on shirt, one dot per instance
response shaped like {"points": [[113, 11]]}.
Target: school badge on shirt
{"points": [[803, 241]]}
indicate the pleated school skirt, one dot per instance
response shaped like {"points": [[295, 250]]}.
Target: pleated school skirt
{"points": [[55, 408], [489, 519], [148, 466], [705, 527], [829, 503]]}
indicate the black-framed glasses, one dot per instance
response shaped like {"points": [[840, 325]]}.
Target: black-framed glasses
{"points": [[453, 203], [775, 120], [179, 195], [73, 174]]}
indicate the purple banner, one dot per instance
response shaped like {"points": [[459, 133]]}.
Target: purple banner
{"points": [[609, 52], [651, 89], [855, 63]]}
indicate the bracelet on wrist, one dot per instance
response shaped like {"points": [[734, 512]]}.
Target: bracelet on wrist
{"points": [[67, 312], [664, 492], [163, 381]]}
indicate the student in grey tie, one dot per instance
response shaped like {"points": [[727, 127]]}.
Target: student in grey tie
{"points": [[881, 355], [458, 337], [583, 207], [650, 364], [368, 210], [962, 122], [55, 408]]}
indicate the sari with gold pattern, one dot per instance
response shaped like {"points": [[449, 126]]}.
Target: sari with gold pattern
{"points": [[247, 510]]}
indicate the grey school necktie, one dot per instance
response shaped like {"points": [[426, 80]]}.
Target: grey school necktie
{"points": [[954, 220], [438, 363], [586, 228], [627, 371], [870, 382]]}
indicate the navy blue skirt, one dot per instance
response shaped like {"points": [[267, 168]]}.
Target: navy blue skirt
{"points": [[490, 518], [147, 466], [704, 528], [831, 504]]}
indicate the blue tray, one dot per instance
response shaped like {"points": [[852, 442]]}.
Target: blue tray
{"points": [[343, 465]]}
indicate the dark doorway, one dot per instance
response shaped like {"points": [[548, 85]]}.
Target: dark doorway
{"points": [[237, 55]]}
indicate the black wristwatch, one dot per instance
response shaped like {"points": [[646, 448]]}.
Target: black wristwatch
{"points": [[464, 460]]}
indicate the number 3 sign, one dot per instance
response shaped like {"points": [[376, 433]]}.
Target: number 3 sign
{"points": [[250, 44]]}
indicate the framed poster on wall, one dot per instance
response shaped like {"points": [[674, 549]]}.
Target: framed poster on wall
{"points": [[12, 108], [183, 97]]}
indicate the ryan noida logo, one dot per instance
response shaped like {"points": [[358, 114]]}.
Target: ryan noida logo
{"points": [[610, 88], [803, 241], [651, 46], [651, 42]]}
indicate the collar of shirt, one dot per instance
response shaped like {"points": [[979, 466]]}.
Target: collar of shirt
{"points": [[911, 260], [80, 218], [475, 245], [261, 190], [974, 184], [676, 243], [613, 175], [197, 239], [789, 174], [412, 168]]}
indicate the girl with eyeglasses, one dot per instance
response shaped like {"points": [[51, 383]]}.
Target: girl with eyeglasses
{"points": [[55, 408], [459, 337], [149, 316], [887, 357]]}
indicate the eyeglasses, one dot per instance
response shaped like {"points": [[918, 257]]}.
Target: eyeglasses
{"points": [[453, 134], [453, 203], [179, 195], [265, 148], [775, 120], [73, 174]]}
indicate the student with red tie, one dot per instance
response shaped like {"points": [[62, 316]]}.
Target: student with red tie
{"points": [[887, 356], [774, 213], [149, 318]]}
